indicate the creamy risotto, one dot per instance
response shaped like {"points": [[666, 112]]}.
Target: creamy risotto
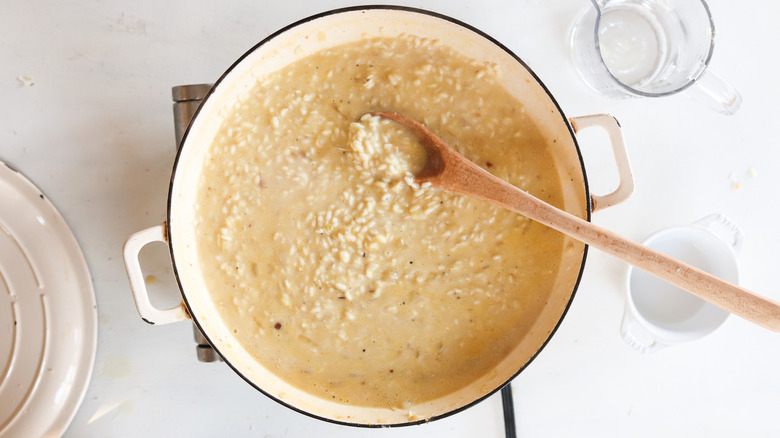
{"points": [[337, 271]]}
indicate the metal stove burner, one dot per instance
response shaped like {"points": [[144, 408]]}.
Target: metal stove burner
{"points": [[186, 99]]}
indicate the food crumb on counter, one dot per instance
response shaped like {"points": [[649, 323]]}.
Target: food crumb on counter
{"points": [[25, 80], [735, 185]]}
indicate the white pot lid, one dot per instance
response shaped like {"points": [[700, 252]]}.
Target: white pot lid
{"points": [[48, 315]]}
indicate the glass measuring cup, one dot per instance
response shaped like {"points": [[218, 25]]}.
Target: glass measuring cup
{"points": [[650, 48]]}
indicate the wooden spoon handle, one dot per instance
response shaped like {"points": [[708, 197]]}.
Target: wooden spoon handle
{"points": [[449, 170], [742, 302]]}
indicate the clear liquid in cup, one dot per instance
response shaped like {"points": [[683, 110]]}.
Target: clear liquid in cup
{"points": [[661, 303], [666, 306], [632, 43]]}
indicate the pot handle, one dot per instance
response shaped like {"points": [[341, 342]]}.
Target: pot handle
{"points": [[612, 128], [148, 312]]}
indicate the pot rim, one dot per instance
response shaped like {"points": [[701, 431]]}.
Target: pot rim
{"points": [[588, 206]]}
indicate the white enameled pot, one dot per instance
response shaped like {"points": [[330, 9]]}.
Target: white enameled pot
{"points": [[299, 40]]}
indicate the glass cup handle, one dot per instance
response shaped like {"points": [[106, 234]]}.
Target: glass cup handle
{"points": [[715, 93]]}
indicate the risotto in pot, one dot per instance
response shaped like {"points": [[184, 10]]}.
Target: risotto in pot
{"points": [[337, 271]]}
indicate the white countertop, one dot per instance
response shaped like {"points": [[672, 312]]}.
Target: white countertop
{"points": [[94, 131]]}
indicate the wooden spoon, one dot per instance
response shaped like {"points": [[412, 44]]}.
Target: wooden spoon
{"points": [[447, 169]]}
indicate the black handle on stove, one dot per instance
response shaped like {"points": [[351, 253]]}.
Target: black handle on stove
{"points": [[186, 100], [510, 430]]}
